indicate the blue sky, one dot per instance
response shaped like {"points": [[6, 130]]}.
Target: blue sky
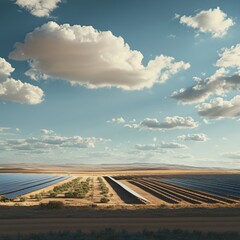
{"points": [[120, 82]]}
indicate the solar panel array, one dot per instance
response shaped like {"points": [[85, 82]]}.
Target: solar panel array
{"points": [[14, 185]]}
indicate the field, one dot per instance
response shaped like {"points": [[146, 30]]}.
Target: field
{"points": [[132, 200], [72, 190], [177, 189]]}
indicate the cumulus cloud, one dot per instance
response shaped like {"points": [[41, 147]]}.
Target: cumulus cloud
{"points": [[52, 142], [82, 55], [229, 57], [200, 137], [213, 21], [38, 8], [155, 147], [5, 69], [15, 90], [131, 125], [117, 120], [168, 123], [219, 108], [219, 83], [46, 131], [174, 122]]}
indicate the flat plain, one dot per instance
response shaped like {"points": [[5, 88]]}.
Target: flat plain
{"points": [[169, 198]]}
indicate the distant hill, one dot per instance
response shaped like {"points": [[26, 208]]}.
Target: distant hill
{"points": [[96, 167]]}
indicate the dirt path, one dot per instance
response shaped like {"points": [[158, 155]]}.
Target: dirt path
{"points": [[25, 226]]}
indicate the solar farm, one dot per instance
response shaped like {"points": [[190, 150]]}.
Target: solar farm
{"points": [[168, 190], [191, 189]]}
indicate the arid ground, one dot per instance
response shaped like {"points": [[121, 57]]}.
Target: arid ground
{"points": [[120, 211]]}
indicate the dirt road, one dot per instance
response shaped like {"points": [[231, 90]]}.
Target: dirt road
{"points": [[25, 226]]}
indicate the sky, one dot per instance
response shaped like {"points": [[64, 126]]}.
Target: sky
{"points": [[110, 82]]}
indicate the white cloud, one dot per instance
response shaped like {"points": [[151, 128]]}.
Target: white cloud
{"points": [[147, 147], [172, 145], [15, 90], [229, 57], [219, 83], [155, 147], [176, 16], [174, 122], [213, 21], [82, 55], [38, 8], [5, 69], [171, 36], [219, 108], [131, 125], [169, 123], [47, 131], [117, 120], [206, 121], [200, 137], [7, 131], [52, 142]]}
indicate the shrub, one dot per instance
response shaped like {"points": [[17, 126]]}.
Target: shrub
{"points": [[163, 205], [22, 199], [52, 205], [79, 194], [104, 200], [38, 197], [69, 195], [52, 194], [103, 187], [77, 189], [4, 199]]}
